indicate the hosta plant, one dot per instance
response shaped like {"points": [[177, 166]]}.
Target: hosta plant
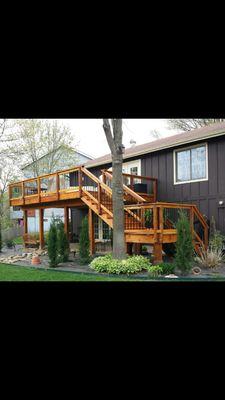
{"points": [[155, 270], [131, 265]]}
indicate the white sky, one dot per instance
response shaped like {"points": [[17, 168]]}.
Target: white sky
{"points": [[89, 136]]}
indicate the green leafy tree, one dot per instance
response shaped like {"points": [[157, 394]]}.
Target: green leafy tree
{"points": [[84, 243], [53, 245], [184, 245], [44, 145], [63, 243], [0, 238]]}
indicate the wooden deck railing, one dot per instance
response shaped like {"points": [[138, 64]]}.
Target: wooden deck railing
{"points": [[145, 186], [69, 184], [161, 218]]}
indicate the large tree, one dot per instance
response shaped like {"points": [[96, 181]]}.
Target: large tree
{"points": [[191, 123], [36, 138], [8, 173], [114, 136]]}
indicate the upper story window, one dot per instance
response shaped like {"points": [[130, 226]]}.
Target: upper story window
{"points": [[191, 164]]}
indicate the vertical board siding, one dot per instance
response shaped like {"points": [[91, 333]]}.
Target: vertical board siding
{"points": [[206, 195]]}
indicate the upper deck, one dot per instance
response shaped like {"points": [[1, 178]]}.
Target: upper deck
{"points": [[67, 185]]}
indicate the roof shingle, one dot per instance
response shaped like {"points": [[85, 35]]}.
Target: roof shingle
{"points": [[205, 132]]}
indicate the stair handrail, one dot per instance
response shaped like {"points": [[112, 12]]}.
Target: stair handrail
{"points": [[96, 180], [126, 189], [204, 224]]}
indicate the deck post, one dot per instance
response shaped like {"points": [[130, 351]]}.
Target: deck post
{"points": [[157, 253], [66, 221], [91, 231], [129, 248], [137, 248], [25, 222], [57, 185], [41, 228], [80, 181]]}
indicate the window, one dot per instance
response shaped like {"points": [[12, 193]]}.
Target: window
{"points": [[16, 208], [101, 229], [190, 164]]}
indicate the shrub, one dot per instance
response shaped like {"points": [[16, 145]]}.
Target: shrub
{"points": [[0, 239], [155, 270], [131, 265], [216, 242], [53, 245], [210, 258], [148, 218], [84, 243], [63, 246], [167, 268], [9, 243], [184, 245]]}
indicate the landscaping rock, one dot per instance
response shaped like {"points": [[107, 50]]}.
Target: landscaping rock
{"points": [[171, 276]]}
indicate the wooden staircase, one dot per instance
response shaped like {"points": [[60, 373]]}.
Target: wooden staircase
{"points": [[99, 200], [97, 195]]}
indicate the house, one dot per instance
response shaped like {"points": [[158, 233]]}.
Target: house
{"points": [[184, 171], [64, 157]]}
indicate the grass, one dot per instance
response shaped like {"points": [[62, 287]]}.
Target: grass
{"points": [[18, 273], [18, 240]]}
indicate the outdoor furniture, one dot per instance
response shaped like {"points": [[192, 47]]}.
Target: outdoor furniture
{"points": [[30, 240]]}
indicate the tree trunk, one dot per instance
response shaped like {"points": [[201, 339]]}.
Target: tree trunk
{"points": [[115, 144], [119, 251]]}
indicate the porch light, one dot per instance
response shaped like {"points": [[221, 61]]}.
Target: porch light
{"points": [[221, 202]]}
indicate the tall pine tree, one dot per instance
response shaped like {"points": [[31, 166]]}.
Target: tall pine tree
{"points": [[53, 245], [63, 243], [184, 245], [84, 243]]}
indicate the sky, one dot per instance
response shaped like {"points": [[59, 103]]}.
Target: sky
{"points": [[89, 136]]}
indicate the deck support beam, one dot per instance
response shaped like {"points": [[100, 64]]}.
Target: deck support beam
{"points": [[157, 253], [41, 228], [66, 221], [91, 231], [129, 248], [25, 221], [137, 248]]}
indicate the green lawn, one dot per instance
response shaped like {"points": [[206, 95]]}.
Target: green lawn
{"points": [[18, 273]]}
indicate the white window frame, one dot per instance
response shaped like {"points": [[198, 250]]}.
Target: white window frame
{"points": [[175, 166], [131, 164], [100, 231]]}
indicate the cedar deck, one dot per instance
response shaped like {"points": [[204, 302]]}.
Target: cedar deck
{"points": [[146, 220]]}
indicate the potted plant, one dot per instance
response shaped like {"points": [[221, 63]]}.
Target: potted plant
{"points": [[148, 218], [144, 251]]}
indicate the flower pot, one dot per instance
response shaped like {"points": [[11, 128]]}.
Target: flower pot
{"points": [[35, 260]]}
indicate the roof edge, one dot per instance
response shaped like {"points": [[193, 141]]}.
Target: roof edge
{"points": [[162, 148]]}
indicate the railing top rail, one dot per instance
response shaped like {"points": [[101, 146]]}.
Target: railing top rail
{"points": [[60, 172], [127, 189], [109, 173], [160, 205]]}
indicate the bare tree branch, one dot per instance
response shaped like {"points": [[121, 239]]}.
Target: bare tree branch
{"points": [[192, 123], [109, 136]]}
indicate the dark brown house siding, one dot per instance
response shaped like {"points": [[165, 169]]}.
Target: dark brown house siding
{"points": [[206, 195]]}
